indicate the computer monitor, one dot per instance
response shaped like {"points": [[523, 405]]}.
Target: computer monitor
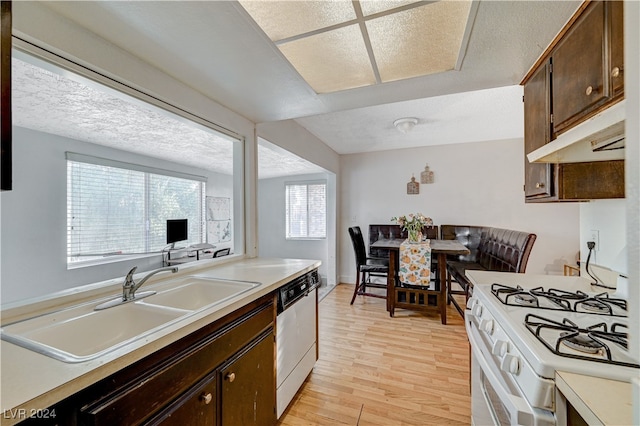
{"points": [[177, 230]]}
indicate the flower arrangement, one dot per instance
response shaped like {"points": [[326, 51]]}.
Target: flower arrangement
{"points": [[413, 224]]}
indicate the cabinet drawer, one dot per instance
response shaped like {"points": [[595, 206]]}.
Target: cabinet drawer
{"points": [[153, 389], [196, 407]]}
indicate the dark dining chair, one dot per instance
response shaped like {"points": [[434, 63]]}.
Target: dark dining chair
{"points": [[221, 252], [366, 267]]}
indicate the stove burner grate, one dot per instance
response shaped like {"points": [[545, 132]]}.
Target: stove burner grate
{"points": [[591, 341], [600, 304], [580, 342], [514, 295], [595, 306], [561, 300], [525, 299]]}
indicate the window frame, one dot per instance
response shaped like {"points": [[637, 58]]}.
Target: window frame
{"points": [[149, 173], [306, 183], [242, 205]]}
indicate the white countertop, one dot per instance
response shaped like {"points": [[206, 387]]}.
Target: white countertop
{"points": [[598, 401], [32, 381]]}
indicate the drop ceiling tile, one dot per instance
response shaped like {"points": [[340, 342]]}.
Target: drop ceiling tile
{"points": [[419, 41], [284, 19], [331, 61], [370, 7]]}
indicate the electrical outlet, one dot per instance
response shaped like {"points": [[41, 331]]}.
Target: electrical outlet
{"points": [[594, 236]]}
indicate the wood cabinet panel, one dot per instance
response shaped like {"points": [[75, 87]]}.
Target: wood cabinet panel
{"points": [[578, 75], [248, 386], [6, 179], [616, 47], [196, 407], [538, 176], [581, 75], [601, 179]]}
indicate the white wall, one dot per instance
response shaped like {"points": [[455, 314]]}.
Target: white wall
{"points": [[289, 135], [475, 184], [271, 224], [294, 138], [608, 217], [34, 216]]}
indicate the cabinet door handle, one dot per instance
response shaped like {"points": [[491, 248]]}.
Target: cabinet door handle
{"points": [[539, 185], [206, 397], [615, 72], [230, 377], [589, 90]]}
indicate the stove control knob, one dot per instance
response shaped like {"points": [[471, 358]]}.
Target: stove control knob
{"points": [[487, 326], [476, 311], [471, 302], [500, 348], [510, 364]]}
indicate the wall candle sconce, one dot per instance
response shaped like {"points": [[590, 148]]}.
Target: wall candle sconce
{"points": [[413, 187], [426, 176]]}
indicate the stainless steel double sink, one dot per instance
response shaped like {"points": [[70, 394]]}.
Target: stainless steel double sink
{"points": [[82, 333]]}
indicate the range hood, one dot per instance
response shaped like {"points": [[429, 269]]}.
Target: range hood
{"points": [[600, 138]]}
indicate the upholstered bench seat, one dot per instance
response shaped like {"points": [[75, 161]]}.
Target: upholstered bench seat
{"points": [[491, 249]]}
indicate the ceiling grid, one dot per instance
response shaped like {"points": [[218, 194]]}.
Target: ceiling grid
{"points": [[342, 45]]}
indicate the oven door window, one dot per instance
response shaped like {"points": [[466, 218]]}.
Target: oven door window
{"points": [[496, 399], [500, 413]]}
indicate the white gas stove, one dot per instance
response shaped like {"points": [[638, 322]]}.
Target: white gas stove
{"points": [[523, 328]]}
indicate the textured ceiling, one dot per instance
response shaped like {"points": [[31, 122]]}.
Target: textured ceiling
{"points": [[481, 115], [66, 105], [216, 48], [52, 103]]}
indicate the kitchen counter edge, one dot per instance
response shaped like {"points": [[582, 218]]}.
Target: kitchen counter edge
{"points": [[31, 382], [598, 401]]}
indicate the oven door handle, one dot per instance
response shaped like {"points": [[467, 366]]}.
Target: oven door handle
{"points": [[519, 410]]}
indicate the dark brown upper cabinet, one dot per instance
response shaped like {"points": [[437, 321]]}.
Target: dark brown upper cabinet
{"points": [[580, 74], [6, 171], [538, 177], [616, 50]]}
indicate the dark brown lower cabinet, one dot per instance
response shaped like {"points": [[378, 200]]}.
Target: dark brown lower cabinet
{"points": [[248, 386], [222, 374], [196, 407]]}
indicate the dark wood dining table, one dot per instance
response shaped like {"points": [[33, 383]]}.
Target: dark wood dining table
{"points": [[441, 248]]}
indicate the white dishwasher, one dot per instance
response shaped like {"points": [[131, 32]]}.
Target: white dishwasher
{"points": [[295, 336]]}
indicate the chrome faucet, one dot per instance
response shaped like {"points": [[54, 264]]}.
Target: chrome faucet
{"points": [[129, 288]]}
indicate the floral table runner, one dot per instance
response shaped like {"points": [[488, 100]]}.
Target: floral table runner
{"points": [[415, 263]]}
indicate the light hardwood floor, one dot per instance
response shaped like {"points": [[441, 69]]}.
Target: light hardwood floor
{"points": [[377, 370]]}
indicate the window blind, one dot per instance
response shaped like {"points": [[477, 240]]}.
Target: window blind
{"points": [[113, 210], [306, 210]]}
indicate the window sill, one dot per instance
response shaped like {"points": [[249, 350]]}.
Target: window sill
{"points": [[109, 259]]}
